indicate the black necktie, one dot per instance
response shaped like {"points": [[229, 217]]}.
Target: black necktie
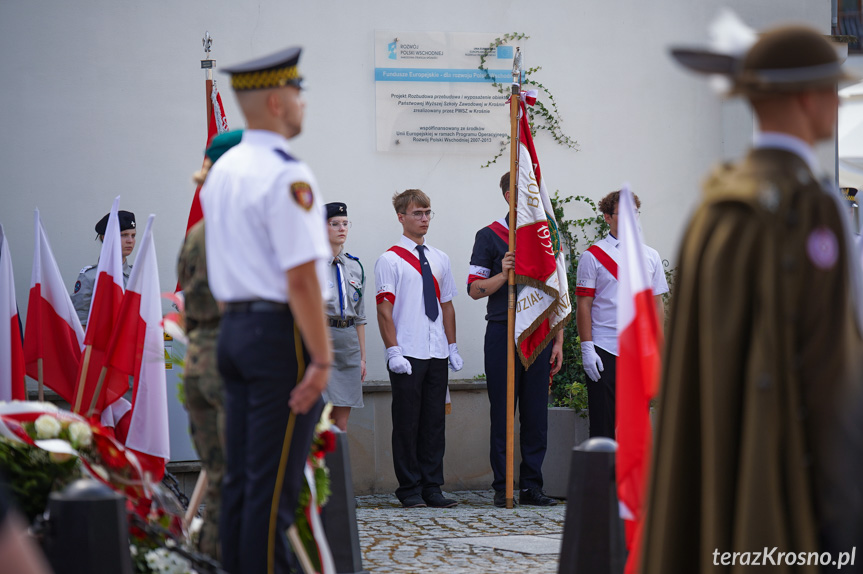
{"points": [[429, 296]]}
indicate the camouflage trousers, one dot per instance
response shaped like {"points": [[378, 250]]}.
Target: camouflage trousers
{"points": [[205, 392]]}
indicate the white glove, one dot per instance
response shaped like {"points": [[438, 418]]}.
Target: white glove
{"points": [[455, 360], [396, 361], [591, 361]]}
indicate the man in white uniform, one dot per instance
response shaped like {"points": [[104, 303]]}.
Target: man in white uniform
{"points": [[596, 314], [416, 317], [266, 245]]}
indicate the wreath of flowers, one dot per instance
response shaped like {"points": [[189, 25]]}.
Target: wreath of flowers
{"points": [[44, 448]]}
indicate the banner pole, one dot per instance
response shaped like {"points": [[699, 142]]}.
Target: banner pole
{"points": [[96, 393], [208, 64], [510, 314], [41, 380], [84, 367]]}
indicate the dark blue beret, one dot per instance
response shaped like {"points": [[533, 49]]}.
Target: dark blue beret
{"points": [[127, 221], [336, 209]]}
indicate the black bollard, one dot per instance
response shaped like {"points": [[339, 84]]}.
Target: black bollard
{"points": [[339, 515], [593, 539], [87, 530]]}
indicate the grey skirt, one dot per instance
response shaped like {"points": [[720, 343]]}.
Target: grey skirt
{"points": [[345, 389]]}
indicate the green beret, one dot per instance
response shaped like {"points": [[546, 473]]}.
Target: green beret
{"points": [[222, 143]]}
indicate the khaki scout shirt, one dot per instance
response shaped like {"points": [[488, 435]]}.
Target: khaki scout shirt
{"points": [[353, 288], [83, 292]]}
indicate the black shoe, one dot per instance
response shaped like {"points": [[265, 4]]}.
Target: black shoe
{"points": [[436, 500], [414, 501], [535, 497], [500, 499]]}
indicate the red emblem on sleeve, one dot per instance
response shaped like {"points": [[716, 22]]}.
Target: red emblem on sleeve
{"points": [[302, 194]]}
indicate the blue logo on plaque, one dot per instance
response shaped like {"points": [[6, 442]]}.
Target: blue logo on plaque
{"points": [[504, 52], [392, 51]]}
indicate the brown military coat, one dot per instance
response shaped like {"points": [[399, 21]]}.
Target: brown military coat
{"points": [[762, 357]]}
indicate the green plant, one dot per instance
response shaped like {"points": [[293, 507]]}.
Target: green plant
{"points": [[541, 116]]}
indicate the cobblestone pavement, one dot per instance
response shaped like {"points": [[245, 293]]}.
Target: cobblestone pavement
{"points": [[474, 537]]}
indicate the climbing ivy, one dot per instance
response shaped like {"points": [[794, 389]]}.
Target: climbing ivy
{"points": [[544, 115]]}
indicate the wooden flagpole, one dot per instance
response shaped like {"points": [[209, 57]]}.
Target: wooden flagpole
{"points": [[208, 64], [98, 390], [197, 497], [510, 314], [83, 378], [41, 380]]}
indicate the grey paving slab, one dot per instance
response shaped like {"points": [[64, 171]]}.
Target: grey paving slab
{"points": [[473, 537], [526, 544]]}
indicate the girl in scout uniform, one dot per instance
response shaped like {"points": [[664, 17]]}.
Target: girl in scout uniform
{"points": [[347, 319]]}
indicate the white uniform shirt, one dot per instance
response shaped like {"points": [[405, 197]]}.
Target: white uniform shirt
{"points": [[594, 280], [264, 216], [401, 284]]}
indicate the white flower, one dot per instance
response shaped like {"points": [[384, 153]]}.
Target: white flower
{"points": [[80, 434], [161, 560], [47, 427]]}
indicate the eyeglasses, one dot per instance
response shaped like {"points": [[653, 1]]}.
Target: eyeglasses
{"points": [[418, 215], [339, 224]]}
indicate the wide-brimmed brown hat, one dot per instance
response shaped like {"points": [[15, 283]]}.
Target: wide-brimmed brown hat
{"points": [[786, 59]]}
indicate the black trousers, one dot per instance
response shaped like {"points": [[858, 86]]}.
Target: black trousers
{"points": [[261, 358], [419, 413], [531, 397], [600, 397]]}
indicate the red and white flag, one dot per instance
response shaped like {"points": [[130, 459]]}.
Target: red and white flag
{"points": [[138, 350], [12, 385], [638, 365], [53, 333], [217, 124], [104, 308], [543, 304]]}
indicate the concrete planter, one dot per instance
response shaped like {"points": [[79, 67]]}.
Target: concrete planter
{"points": [[566, 429]]}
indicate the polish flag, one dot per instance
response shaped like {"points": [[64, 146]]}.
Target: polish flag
{"points": [[638, 366], [138, 350], [11, 352], [53, 337], [104, 307]]}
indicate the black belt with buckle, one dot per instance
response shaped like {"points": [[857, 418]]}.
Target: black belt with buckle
{"points": [[256, 307], [340, 323]]}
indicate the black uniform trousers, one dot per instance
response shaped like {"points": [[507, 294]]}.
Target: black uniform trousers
{"points": [[419, 440], [600, 397], [261, 358], [531, 397]]}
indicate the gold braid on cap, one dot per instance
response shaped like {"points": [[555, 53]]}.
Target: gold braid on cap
{"points": [[265, 79]]}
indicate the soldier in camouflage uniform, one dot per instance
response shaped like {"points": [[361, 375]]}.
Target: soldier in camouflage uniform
{"points": [[203, 386]]}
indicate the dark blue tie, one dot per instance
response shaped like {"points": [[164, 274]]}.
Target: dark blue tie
{"points": [[341, 293], [429, 296]]}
